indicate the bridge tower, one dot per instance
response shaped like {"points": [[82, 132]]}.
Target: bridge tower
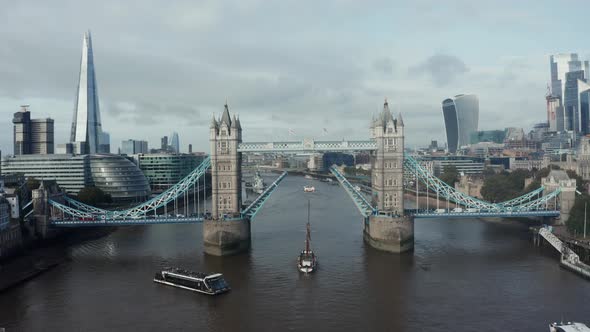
{"points": [[567, 197], [389, 230], [226, 232]]}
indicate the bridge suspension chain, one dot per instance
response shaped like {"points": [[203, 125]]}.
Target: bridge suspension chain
{"points": [[525, 202], [174, 192]]}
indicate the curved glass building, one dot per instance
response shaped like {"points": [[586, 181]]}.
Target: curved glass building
{"points": [[113, 174], [119, 177], [461, 115]]}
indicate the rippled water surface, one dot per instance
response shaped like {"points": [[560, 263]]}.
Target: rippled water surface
{"points": [[464, 275]]}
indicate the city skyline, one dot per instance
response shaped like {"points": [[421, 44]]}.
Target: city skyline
{"points": [[276, 85]]}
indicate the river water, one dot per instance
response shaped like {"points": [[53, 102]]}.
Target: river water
{"points": [[464, 275]]}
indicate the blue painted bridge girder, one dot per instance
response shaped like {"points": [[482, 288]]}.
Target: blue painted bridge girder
{"points": [[361, 203], [251, 211], [482, 214], [307, 145], [126, 222]]}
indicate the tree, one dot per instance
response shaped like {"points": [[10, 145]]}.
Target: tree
{"points": [[93, 196], [450, 175], [580, 183], [32, 184], [575, 223], [504, 186]]}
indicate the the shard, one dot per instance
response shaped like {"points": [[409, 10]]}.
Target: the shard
{"points": [[87, 135]]}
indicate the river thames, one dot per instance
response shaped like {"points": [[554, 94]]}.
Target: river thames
{"points": [[464, 275]]}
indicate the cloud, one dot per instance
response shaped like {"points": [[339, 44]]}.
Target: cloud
{"points": [[281, 64], [384, 66], [442, 68]]}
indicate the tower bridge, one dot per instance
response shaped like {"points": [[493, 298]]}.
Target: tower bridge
{"points": [[388, 224]]}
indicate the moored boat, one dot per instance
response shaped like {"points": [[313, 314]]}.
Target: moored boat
{"points": [[258, 184], [210, 284], [569, 326], [308, 189], [307, 261]]}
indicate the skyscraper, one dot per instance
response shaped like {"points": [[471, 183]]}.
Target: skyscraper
{"points": [[566, 70], [175, 142], [584, 106], [461, 115], [554, 113], [164, 143], [132, 146], [32, 136], [87, 135], [22, 131]]}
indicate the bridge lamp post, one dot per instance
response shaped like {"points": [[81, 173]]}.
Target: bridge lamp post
{"points": [[585, 203]]}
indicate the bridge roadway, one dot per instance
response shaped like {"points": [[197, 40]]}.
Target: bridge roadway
{"points": [[150, 220], [126, 222], [307, 145], [422, 213]]}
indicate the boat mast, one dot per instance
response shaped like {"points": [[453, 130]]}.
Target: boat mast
{"points": [[308, 236]]}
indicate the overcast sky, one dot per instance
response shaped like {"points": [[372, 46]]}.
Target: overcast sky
{"points": [[305, 65]]}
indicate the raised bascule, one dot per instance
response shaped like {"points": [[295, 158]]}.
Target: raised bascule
{"points": [[388, 224]]}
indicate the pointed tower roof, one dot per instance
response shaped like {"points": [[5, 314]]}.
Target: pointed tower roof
{"points": [[234, 122], [213, 122], [400, 121], [225, 118], [238, 124], [386, 114]]}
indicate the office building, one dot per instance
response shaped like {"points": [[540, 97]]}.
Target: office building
{"points": [[338, 158], [461, 116], [87, 135], [115, 175], [566, 70], [583, 106], [118, 177], [175, 143], [32, 136], [132, 146], [493, 136], [561, 64], [463, 164], [164, 170], [190, 148], [105, 143], [570, 101], [164, 143], [554, 113]]}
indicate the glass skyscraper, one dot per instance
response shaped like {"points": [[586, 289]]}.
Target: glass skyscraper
{"points": [[175, 142], [87, 134], [461, 115], [566, 70], [584, 106]]}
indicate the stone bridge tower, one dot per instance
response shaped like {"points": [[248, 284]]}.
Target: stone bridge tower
{"points": [[567, 197], [225, 135], [390, 230], [226, 232]]}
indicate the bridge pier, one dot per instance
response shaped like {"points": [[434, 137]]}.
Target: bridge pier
{"points": [[41, 212], [226, 237], [391, 234]]}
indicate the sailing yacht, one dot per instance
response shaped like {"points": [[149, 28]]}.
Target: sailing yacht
{"points": [[307, 261]]}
